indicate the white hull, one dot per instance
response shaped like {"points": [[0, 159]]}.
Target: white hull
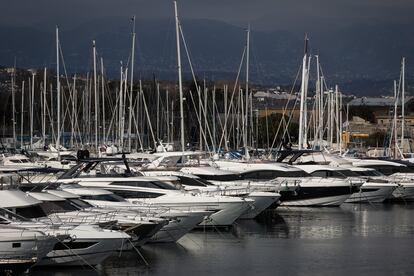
{"points": [[404, 192], [319, 201], [228, 214], [262, 200], [381, 193], [92, 255], [176, 229], [20, 250]]}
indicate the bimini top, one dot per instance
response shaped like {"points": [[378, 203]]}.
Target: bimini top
{"points": [[205, 170], [87, 191], [374, 162], [45, 197], [62, 194], [242, 167], [16, 199]]}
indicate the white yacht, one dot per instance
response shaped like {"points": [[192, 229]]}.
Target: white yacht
{"points": [[179, 222], [21, 247], [309, 191], [153, 191], [86, 245], [395, 172], [59, 209], [264, 193], [376, 189]]}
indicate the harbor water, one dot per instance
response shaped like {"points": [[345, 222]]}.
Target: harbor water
{"points": [[350, 240]]}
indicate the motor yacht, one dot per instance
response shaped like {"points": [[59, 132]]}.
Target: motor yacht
{"points": [[85, 245], [179, 222]]}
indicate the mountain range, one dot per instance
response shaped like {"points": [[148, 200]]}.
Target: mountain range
{"points": [[363, 59]]}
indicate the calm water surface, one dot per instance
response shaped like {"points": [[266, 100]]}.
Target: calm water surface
{"points": [[350, 240]]}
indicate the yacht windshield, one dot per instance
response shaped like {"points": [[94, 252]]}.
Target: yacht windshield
{"points": [[272, 174], [51, 207], [335, 174], [145, 184], [106, 197], [80, 203], [389, 170], [348, 173], [31, 212], [368, 173], [193, 181]]}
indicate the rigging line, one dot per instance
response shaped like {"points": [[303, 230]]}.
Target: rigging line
{"points": [[286, 106], [195, 82], [232, 96]]}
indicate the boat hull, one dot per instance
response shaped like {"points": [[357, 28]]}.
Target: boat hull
{"points": [[262, 201], [372, 194]]}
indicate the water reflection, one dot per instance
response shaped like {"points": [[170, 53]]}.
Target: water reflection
{"points": [[353, 239]]}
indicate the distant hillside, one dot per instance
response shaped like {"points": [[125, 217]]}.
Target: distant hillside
{"points": [[362, 59]]}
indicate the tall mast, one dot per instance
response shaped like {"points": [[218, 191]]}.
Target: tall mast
{"points": [[44, 107], [340, 123], [168, 116], [96, 98], [246, 150], [337, 114], [14, 104], [180, 84], [402, 104], [72, 120], [103, 102], [395, 121], [31, 109], [131, 84], [226, 146], [214, 119], [58, 93], [302, 116], [120, 101], [22, 117]]}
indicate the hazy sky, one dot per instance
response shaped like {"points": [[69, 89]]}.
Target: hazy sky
{"points": [[263, 14]]}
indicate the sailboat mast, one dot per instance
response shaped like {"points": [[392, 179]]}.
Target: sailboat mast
{"points": [[22, 117], [395, 121], [246, 150], [131, 84], [402, 104], [96, 98], [226, 146], [340, 124], [44, 106], [58, 93], [31, 109], [302, 117], [337, 114], [103, 102], [14, 104], [180, 84]]}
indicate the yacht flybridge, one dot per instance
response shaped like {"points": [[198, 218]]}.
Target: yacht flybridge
{"points": [[138, 189], [309, 190]]}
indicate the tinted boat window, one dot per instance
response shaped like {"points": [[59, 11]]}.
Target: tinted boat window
{"points": [[31, 212], [80, 203], [136, 194], [145, 184], [108, 197], [347, 173], [193, 181], [388, 170], [319, 174], [220, 177], [272, 174]]}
